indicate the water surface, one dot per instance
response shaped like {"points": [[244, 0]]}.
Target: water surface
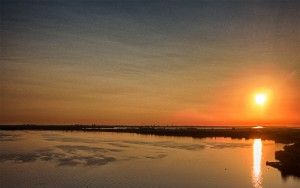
{"points": [[95, 159]]}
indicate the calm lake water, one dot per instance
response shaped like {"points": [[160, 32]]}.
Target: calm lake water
{"points": [[95, 159]]}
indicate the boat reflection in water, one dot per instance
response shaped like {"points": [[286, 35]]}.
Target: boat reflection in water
{"points": [[256, 169]]}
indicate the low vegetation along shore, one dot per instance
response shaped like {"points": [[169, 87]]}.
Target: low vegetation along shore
{"points": [[282, 135], [288, 159]]}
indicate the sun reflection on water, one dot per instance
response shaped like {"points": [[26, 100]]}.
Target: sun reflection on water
{"points": [[256, 170]]}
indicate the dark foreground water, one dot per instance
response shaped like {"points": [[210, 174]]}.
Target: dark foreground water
{"points": [[94, 159]]}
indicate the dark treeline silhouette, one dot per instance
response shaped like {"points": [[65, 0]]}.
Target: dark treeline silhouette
{"points": [[282, 135], [288, 160]]}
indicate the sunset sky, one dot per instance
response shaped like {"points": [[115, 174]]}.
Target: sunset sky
{"points": [[150, 62]]}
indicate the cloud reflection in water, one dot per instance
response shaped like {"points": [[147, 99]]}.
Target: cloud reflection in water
{"points": [[63, 155]]}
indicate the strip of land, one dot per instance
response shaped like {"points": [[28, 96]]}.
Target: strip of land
{"points": [[281, 135]]}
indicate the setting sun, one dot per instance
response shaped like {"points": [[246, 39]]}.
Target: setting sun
{"points": [[260, 99], [110, 93]]}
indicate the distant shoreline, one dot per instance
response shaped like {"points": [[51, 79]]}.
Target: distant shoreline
{"points": [[278, 134]]}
